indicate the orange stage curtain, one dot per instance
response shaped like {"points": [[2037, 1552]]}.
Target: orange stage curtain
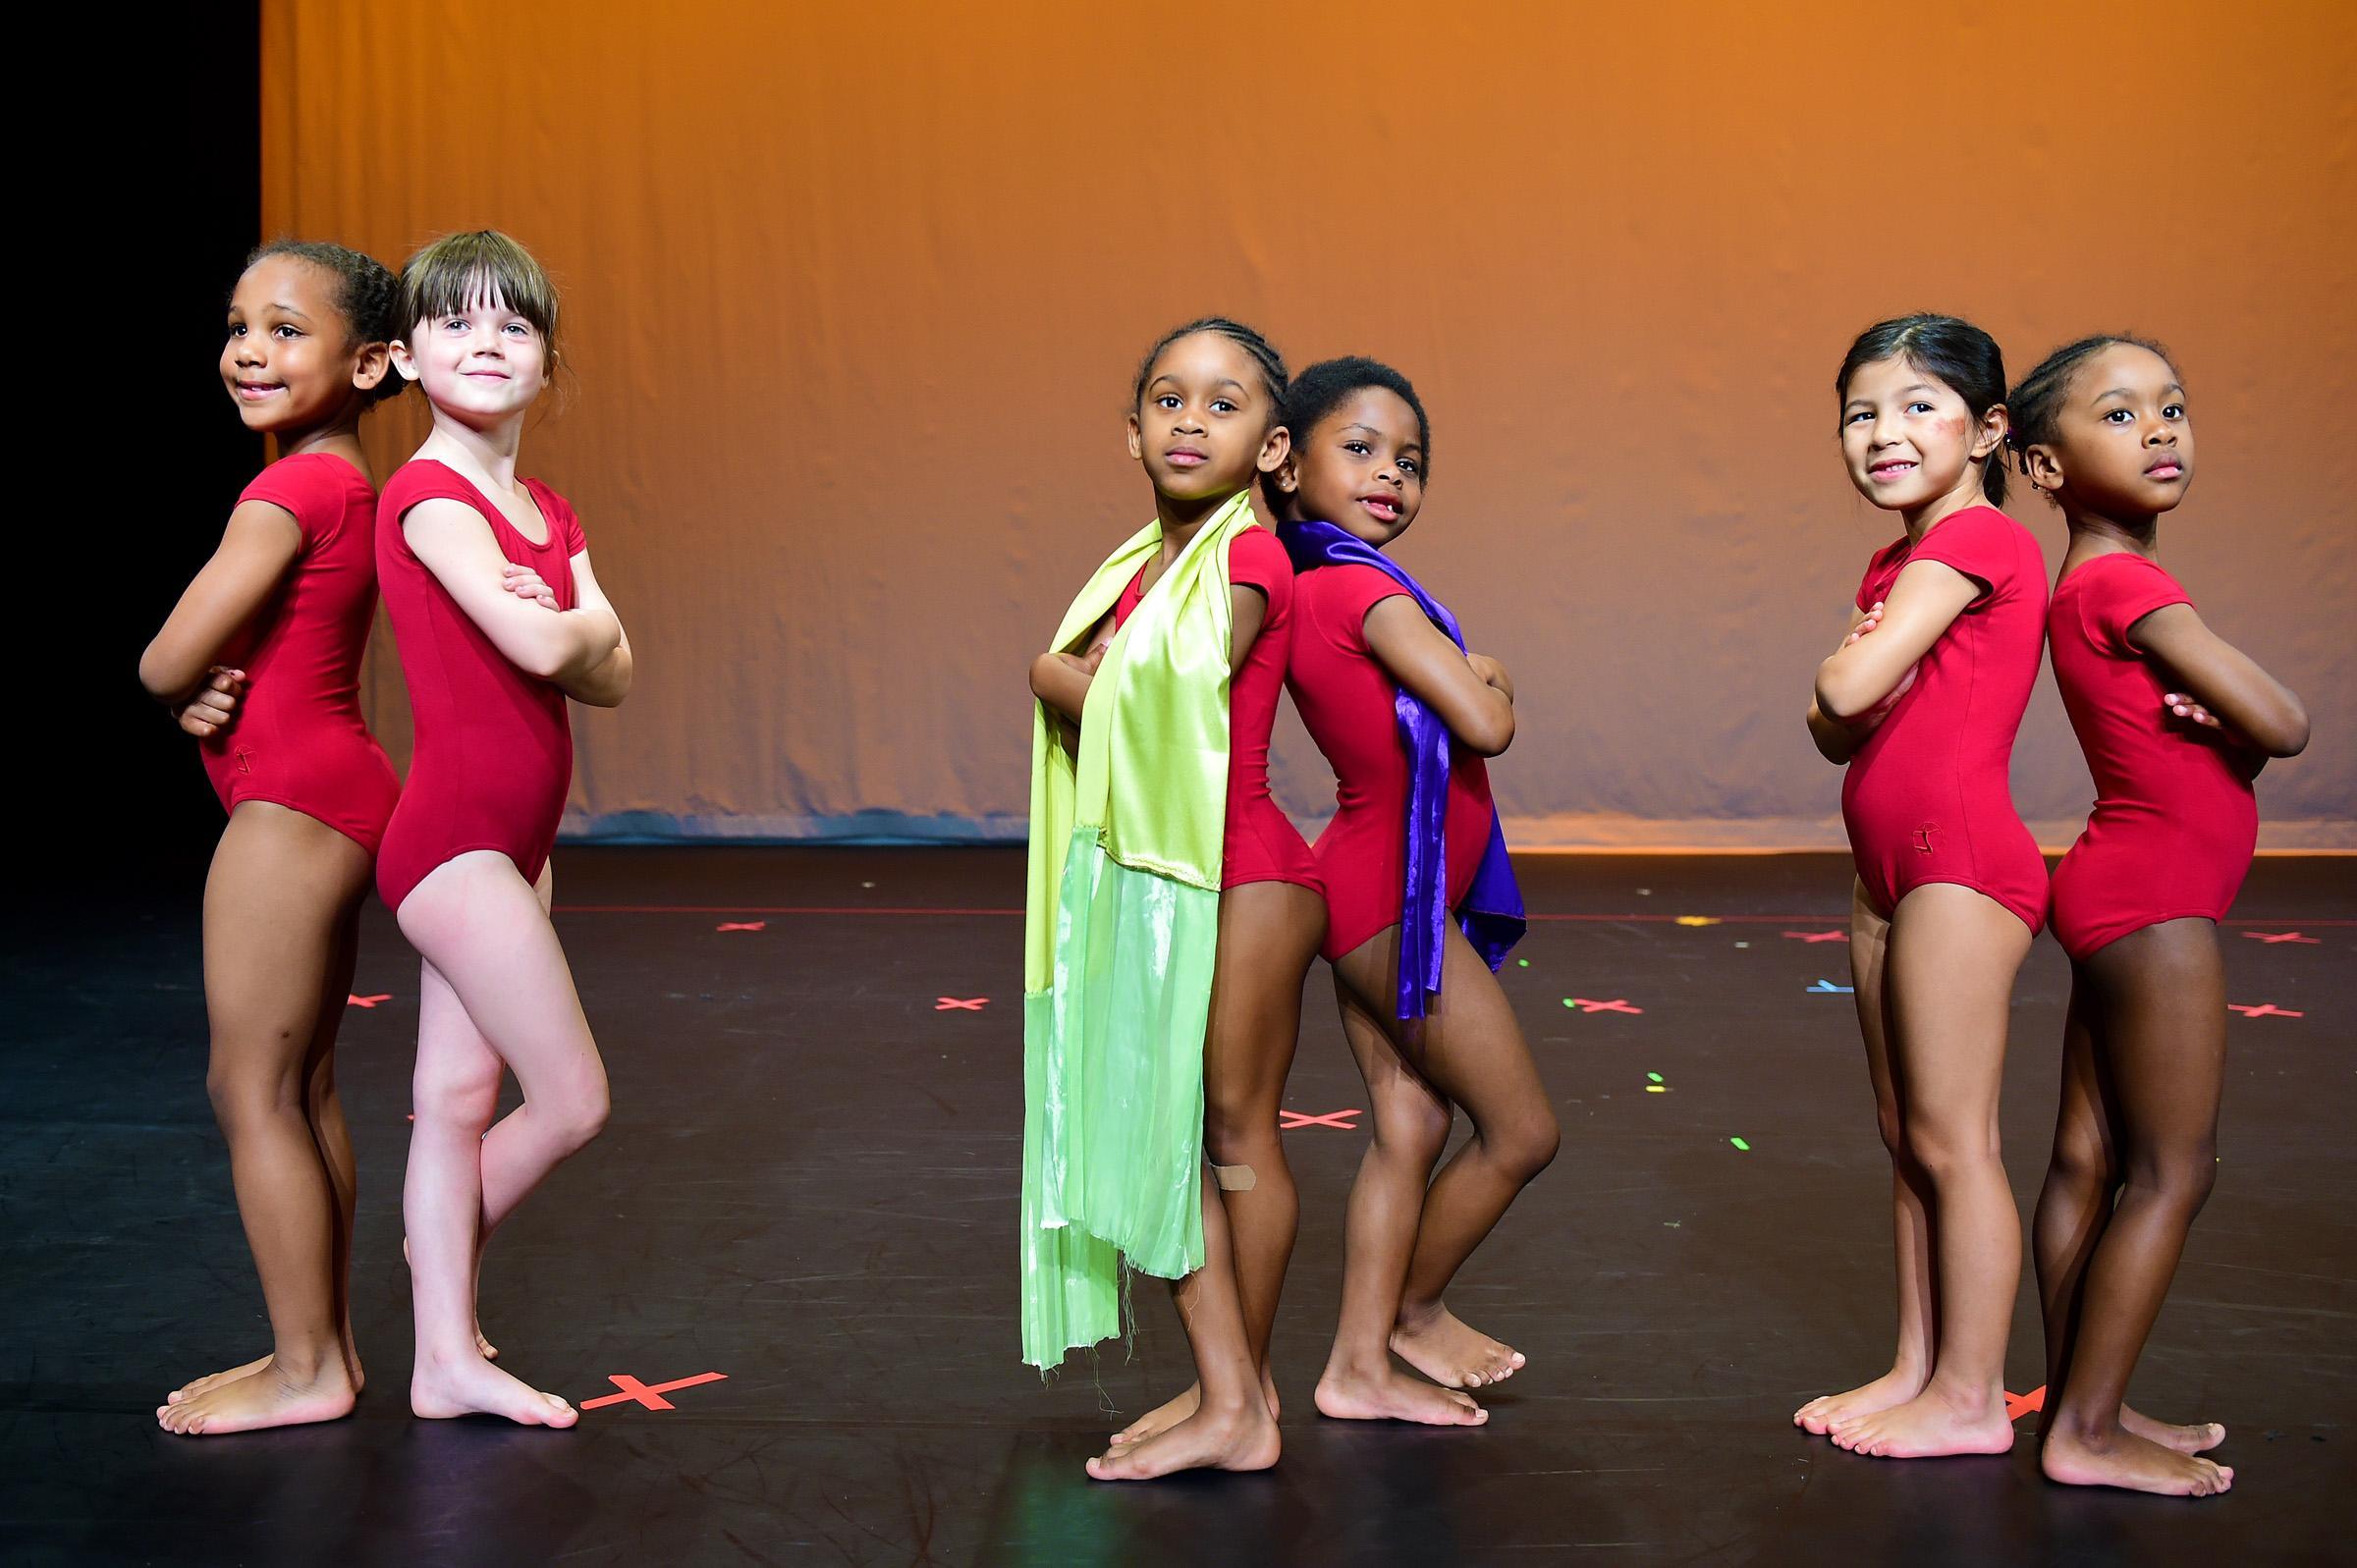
{"points": [[855, 295]]}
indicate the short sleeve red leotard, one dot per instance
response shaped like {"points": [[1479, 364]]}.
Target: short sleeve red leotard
{"points": [[2174, 821], [494, 752], [297, 739], [1261, 843], [1346, 701], [1927, 798]]}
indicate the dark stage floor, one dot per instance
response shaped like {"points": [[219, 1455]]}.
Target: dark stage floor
{"points": [[808, 1188]]}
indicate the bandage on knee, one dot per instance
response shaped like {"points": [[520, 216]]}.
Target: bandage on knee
{"points": [[1234, 1179]]}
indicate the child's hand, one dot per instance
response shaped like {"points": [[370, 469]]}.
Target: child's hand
{"points": [[2182, 707], [210, 710], [1874, 618], [525, 583], [1094, 658], [1492, 674]]}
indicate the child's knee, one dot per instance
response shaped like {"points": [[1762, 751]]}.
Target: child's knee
{"points": [[2181, 1177], [241, 1093], [1944, 1150], [1415, 1132], [468, 1095], [2081, 1159], [1529, 1144], [579, 1112]]}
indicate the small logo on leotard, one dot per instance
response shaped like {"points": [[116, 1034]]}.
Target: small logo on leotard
{"points": [[1923, 838], [245, 760]]}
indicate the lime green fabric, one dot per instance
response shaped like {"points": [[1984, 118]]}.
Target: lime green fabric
{"points": [[1120, 934]]}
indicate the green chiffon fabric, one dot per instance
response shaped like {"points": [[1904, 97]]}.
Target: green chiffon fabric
{"points": [[1121, 932]]}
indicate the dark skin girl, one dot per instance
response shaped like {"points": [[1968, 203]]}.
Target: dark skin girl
{"points": [[1205, 426], [283, 898], [2145, 1042], [1408, 1232]]}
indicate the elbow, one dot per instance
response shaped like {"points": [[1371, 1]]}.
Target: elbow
{"points": [[159, 675], [1039, 674], [546, 659], [2292, 738], [1841, 698], [1491, 737]]}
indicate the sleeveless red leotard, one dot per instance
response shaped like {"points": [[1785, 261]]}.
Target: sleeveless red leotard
{"points": [[2174, 821], [1260, 843], [297, 739], [1346, 699], [1927, 799], [494, 754]]}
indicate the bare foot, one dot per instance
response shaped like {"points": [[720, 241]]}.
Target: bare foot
{"points": [[214, 1379], [1239, 1440], [266, 1397], [1450, 1354], [1927, 1427], [1392, 1395], [2125, 1460], [2198, 1438], [1892, 1388], [483, 1347], [1169, 1414], [439, 1390]]}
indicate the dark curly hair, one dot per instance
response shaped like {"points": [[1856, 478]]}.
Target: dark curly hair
{"points": [[365, 292]]}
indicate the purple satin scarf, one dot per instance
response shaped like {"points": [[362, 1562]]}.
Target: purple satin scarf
{"points": [[1492, 915]]}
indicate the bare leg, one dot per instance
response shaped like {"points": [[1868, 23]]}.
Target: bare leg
{"points": [[1948, 973], [1231, 1428], [282, 891], [1400, 1236], [1910, 1194], [2075, 1205], [2160, 1055], [325, 1113], [1269, 932], [1479, 1061], [494, 991]]}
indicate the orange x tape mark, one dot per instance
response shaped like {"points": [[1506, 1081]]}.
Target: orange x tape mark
{"points": [[2020, 1405], [1332, 1119], [652, 1398]]}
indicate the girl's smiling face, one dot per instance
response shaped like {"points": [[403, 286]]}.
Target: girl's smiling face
{"points": [[1206, 422], [1360, 468], [482, 364], [2123, 440], [1908, 438], [290, 360]]}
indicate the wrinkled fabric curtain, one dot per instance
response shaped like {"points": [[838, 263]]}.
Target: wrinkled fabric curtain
{"points": [[853, 295]]}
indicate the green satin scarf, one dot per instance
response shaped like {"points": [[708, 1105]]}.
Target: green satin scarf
{"points": [[1120, 930]]}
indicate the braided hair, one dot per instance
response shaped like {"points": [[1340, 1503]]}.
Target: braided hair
{"points": [[365, 292], [2036, 401], [1263, 354]]}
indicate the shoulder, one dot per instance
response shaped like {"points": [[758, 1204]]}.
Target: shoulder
{"points": [[1256, 560], [1984, 543], [562, 518], [423, 479], [316, 488]]}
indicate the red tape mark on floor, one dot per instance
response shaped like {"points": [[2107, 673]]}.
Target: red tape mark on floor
{"points": [[958, 1005], [1287, 1119], [353, 1000], [2264, 1009], [742, 925], [2020, 1405], [651, 1397], [1818, 935], [1616, 1004], [2271, 937]]}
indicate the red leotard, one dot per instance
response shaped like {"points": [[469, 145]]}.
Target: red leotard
{"points": [[494, 754], [1926, 799], [2174, 821], [1261, 843], [1347, 700], [297, 739]]}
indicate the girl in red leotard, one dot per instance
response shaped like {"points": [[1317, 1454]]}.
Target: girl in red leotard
{"points": [[2175, 724], [1204, 421], [499, 620], [1359, 464], [1922, 701], [260, 660]]}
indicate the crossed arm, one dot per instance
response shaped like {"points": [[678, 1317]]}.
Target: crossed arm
{"points": [[2217, 685], [582, 650], [181, 668], [1860, 682]]}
